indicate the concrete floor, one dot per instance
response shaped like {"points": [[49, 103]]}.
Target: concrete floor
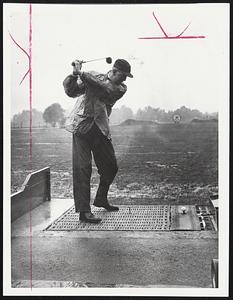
{"points": [[98, 258]]}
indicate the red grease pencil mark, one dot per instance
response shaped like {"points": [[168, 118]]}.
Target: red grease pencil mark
{"points": [[179, 36], [29, 72], [160, 25], [30, 130], [28, 56], [19, 45]]}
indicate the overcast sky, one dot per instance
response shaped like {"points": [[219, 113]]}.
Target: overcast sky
{"points": [[167, 73]]}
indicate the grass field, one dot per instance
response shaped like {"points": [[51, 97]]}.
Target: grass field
{"points": [[160, 163]]}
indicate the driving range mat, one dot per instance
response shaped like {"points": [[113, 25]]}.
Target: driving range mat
{"points": [[135, 217]]}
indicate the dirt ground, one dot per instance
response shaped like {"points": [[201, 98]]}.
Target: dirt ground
{"points": [[168, 163]]}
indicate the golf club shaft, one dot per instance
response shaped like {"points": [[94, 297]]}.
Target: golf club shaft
{"points": [[108, 60], [86, 61]]}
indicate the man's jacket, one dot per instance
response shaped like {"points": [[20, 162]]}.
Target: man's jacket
{"points": [[96, 95]]}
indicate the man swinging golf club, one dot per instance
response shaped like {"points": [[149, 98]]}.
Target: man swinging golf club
{"points": [[96, 93]]}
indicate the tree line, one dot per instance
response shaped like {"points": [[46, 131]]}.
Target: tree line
{"points": [[54, 115], [159, 115]]}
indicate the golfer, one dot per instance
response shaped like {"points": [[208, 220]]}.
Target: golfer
{"points": [[89, 123]]}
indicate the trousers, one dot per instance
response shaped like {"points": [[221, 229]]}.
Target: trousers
{"points": [[84, 145]]}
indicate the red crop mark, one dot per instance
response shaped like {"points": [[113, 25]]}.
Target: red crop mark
{"points": [[25, 52], [30, 133], [166, 36], [29, 72]]}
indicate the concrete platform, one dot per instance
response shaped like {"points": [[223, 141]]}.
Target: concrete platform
{"points": [[107, 258]]}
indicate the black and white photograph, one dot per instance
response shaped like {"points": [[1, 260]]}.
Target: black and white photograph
{"points": [[116, 160]]}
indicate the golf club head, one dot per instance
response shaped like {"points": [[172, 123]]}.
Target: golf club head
{"points": [[108, 60]]}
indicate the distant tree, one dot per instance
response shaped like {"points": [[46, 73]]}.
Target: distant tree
{"points": [[169, 116], [62, 122], [151, 114], [23, 119], [125, 113], [187, 114], [121, 114], [214, 115], [139, 114], [53, 114], [37, 118]]}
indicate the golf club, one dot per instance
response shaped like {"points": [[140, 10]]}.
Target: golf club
{"points": [[108, 60]]}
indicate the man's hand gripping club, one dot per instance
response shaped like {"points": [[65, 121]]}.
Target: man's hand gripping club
{"points": [[77, 66]]}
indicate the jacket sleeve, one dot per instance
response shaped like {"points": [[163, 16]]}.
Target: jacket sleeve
{"points": [[108, 92], [73, 86]]}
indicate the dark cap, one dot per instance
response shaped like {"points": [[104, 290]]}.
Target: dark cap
{"points": [[123, 66]]}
